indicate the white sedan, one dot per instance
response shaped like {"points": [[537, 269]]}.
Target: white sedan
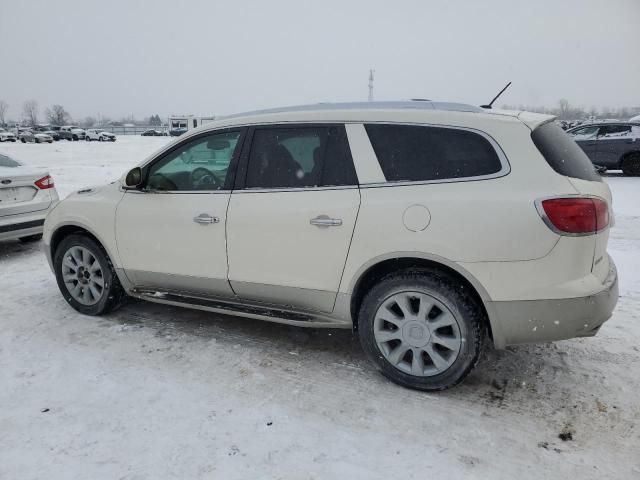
{"points": [[99, 135], [26, 196]]}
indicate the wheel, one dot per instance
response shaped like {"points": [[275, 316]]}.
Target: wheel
{"points": [[50, 141], [31, 238], [86, 276], [75, 138], [100, 139], [87, 138], [23, 140], [421, 329], [631, 164]]}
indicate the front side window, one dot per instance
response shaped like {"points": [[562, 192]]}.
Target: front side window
{"points": [[199, 164], [420, 153], [299, 157]]}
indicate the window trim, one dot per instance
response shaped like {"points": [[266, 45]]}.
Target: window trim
{"points": [[243, 168], [502, 157], [231, 173]]}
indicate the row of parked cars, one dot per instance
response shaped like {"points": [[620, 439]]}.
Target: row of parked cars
{"points": [[49, 134]]}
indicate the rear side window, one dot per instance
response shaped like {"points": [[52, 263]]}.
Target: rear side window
{"points": [[417, 153], [299, 157], [562, 153]]}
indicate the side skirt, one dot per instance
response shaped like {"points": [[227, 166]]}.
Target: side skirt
{"points": [[247, 310]]}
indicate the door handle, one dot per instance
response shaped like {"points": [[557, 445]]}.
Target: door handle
{"points": [[325, 221], [205, 219]]}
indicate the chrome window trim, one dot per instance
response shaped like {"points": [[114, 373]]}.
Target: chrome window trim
{"points": [[296, 189], [504, 161]]}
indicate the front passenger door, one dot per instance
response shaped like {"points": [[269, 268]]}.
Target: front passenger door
{"points": [[171, 232]]}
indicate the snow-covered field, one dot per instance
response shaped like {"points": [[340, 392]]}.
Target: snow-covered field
{"points": [[154, 392]]}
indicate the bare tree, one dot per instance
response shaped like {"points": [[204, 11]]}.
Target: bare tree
{"points": [[4, 106], [57, 115], [30, 112], [88, 122], [564, 108]]}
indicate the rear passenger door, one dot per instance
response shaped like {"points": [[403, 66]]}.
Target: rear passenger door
{"points": [[292, 215], [613, 141]]}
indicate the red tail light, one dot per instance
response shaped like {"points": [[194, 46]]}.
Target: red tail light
{"points": [[44, 183], [575, 215]]}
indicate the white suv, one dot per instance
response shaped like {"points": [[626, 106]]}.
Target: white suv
{"points": [[421, 225], [99, 135]]}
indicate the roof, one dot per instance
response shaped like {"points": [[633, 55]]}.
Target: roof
{"points": [[419, 111]]}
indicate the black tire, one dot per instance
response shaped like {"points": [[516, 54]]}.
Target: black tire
{"points": [[631, 165], [87, 138], [23, 140], [75, 138], [450, 292], [31, 238], [113, 295]]}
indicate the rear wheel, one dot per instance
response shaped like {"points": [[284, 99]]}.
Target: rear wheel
{"points": [[23, 140], [87, 138], [631, 164], [86, 277], [75, 138], [421, 329]]}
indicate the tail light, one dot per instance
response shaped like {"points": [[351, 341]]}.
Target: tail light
{"points": [[44, 183], [574, 215]]}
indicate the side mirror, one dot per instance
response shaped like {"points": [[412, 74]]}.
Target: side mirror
{"points": [[134, 177]]}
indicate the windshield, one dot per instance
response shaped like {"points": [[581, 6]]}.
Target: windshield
{"points": [[8, 162]]}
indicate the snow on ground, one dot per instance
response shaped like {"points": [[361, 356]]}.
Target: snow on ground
{"points": [[155, 392]]}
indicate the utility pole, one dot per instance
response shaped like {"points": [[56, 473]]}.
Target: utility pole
{"points": [[371, 85]]}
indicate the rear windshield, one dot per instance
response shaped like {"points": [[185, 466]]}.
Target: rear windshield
{"points": [[7, 162], [562, 153]]}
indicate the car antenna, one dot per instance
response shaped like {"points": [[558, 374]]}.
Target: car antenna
{"points": [[496, 97]]}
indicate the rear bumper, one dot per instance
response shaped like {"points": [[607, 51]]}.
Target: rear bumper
{"points": [[530, 321]]}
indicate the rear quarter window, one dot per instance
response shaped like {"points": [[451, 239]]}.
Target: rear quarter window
{"points": [[421, 153], [562, 153]]}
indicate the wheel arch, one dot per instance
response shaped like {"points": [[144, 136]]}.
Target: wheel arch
{"points": [[627, 154], [375, 270]]}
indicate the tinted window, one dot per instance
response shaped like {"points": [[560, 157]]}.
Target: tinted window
{"points": [[417, 153], [299, 157], [200, 164], [562, 153], [614, 131]]}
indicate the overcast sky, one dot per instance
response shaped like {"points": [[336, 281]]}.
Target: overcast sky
{"points": [[123, 57]]}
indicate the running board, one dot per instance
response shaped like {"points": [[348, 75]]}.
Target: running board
{"points": [[271, 314]]}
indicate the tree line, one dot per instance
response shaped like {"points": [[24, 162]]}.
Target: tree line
{"points": [[565, 111], [58, 115]]}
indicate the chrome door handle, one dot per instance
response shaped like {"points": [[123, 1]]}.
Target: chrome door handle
{"points": [[325, 221], [205, 219]]}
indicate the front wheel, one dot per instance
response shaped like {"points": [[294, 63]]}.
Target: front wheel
{"points": [[631, 165], [86, 276], [421, 329]]}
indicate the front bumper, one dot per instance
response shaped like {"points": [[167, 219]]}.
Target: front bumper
{"points": [[533, 321]]}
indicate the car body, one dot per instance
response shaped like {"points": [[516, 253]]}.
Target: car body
{"points": [[7, 136], [28, 136], [392, 218], [26, 195], [100, 135], [153, 133], [612, 145], [69, 132]]}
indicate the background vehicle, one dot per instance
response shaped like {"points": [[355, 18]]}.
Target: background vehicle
{"points": [[35, 137], [99, 135], [48, 130], [614, 146], [408, 221], [153, 133], [26, 195], [7, 136], [72, 133]]}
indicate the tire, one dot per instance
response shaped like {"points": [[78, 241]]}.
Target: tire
{"points": [[631, 164], [50, 141], [446, 302], [100, 139], [31, 238], [75, 138], [87, 138], [111, 295], [23, 140]]}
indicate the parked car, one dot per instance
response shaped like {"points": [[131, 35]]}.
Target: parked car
{"points": [[614, 146], [421, 225], [72, 133], [34, 137], [26, 195], [99, 135], [48, 130], [153, 133], [7, 136]]}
